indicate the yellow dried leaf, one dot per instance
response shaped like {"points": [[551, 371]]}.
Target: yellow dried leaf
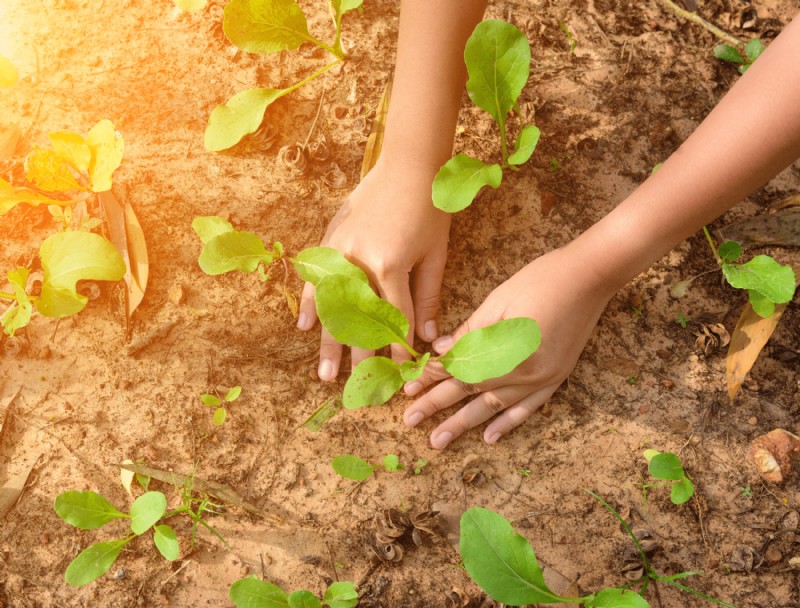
{"points": [[8, 73], [49, 171], [72, 148], [291, 302], [375, 139], [107, 149]]}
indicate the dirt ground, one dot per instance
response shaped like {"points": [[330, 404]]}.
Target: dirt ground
{"points": [[80, 398]]}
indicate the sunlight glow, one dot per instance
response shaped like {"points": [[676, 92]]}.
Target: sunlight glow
{"points": [[7, 43]]}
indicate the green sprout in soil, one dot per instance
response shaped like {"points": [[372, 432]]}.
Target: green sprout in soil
{"points": [[421, 464], [221, 413], [358, 469], [682, 320], [667, 467], [731, 54], [254, 593]]}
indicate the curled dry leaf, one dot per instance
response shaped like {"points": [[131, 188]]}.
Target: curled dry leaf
{"points": [[318, 150], [389, 552], [335, 177], [294, 158], [264, 137], [90, 289], [791, 521], [711, 338], [772, 454], [14, 346], [472, 470], [456, 598], [744, 559]]}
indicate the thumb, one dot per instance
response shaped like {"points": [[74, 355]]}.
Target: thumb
{"points": [[426, 289]]}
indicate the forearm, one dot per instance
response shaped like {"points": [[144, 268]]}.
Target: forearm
{"points": [[747, 139]]}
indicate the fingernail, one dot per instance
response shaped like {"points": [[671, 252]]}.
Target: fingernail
{"points": [[443, 344], [441, 440], [302, 321], [325, 371], [412, 388], [430, 330], [493, 438], [415, 419]]}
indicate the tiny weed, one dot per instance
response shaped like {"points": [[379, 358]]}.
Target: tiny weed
{"points": [[746, 491], [632, 380], [571, 40], [524, 472], [667, 467], [682, 320], [358, 469], [254, 593], [421, 464], [728, 53], [221, 411], [555, 166]]}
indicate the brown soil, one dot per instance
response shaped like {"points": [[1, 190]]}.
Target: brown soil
{"points": [[79, 400]]}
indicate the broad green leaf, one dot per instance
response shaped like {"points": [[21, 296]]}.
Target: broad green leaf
{"points": [[649, 454], [8, 73], [209, 226], [322, 414], [93, 562], [525, 145], [355, 316], [234, 250], [501, 561], [764, 275], [411, 370], [147, 510], [392, 463], [618, 598], [69, 257], [666, 466], [459, 180], [253, 593], [166, 542], [265, 26], [210, 399], [682, 491], [86, 510], [498, 59], [753, 49], [340, 7], [107, 149], [492, 351], [191, 6], [341, 595], [316, 263], [352, 467], [373, 382], [220, 416], [730, 251], [303, 599], [727, 53], [49, 171], [19, 313], [72, 148], [10, 197], [233, 394], [241, 115], [761, 305]]}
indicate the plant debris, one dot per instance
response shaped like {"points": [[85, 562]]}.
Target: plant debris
{"points": [[772, 454]]}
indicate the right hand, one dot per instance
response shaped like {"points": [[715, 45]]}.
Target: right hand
{"points": [[389, 227]]}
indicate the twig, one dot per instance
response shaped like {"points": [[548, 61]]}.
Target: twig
{"points": [[695, 18], [314, 124]]}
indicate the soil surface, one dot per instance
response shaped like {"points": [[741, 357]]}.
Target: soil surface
{"points": [[83, 396]]}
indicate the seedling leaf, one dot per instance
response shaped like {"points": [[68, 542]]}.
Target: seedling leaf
{"points": [[618, 598], [498, 59], [753, 49], [265, 26], [322, 414], [666, 466], [167, 542], [411, 370], [316, 263], [373, 382], [355, 316], [525, 145], [682, 491], [501, 561], [459, 180], [253, 593], [303, 599], [764, 275], [649, 454], [760, 304], [234, 250], [341, 595], [492, 351], [19, 313], [86, 510], [8, 73], [233, 394], [72, 148], [730, 251], [727, 53], [49, 171], [69, 257], [209, 226], [241, 115], [352, 467], [211, 400], [10, 197], [147, 510], [107, 149], [392, 463], [220, 415], [93, 562]]}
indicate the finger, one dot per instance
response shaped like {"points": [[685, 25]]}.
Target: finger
{"points": [[426, 286], [476, 412], [330, 355], [308, 309], [395, 289], [516, 414], [357, 355], [438, 398], [434, 372]]}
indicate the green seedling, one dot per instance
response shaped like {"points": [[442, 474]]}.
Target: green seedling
{"points": [[392, 463], [682, 320], [731, 54], [221, 413], [746, 491], [358, 469], [667, 467], [555, 166], [498, 59], [265, 27], [421, 464], [524, 472], [573, 42], [254, 593]]}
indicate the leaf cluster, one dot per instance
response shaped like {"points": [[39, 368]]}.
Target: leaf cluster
{"points": [[731, 54], [357, 469], [254, 593], [221, 413], [666, 466]]}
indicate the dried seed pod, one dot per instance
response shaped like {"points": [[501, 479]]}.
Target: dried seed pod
{"points": [[14, 346], [743, 559], [334, 178], [590, 148], [90, 289], [265, 137], [748, 20], [471, 470], [294, 158], [632, 571], [771, 453], [340, 112], [712, 337], [318, 150], [390, 552], [456, 598]]}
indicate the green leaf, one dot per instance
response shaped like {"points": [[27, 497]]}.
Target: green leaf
{"points": [[730, 251], [73, 148], [209, 226], [8, 73], [167, 542], [191, 6], [501, 561], [253, 593], [322, 414], [682, 491], [352, 467], [525, 145], [764, 275], [19, 313], [492, 351], [727, 53], [316, 263], [303, 599], [373, 382], [762, 306], [107, 149], [49, 171], [666, 466], [340, 7], [93, 562], [355, 316], [147, 510], [241, 115], [392, 463], [265, 26], [233, 394], [649, 454], [341, 595], [459, 180], [220, 415], [86, 510], [498, 59], [210, 399], [743, 68], [69, 257], [753, 49], [234, 250], [411, 370], [618, 598]]}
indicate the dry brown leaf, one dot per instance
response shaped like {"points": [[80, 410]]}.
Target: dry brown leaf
{"points": [[375, 139], [772, 454], [12, 489], [779, 228]]}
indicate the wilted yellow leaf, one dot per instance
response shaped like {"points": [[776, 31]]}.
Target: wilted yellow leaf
{"points": [[8, 73], [191, 6], [49, 171], [107, 150], [72, 148], [11, 197]]}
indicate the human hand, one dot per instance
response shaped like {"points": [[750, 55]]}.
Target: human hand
{"points": [[566, 300], [389, 227]]}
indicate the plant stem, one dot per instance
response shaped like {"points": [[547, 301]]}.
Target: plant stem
{"points": [[695, 18], [503, 143], [698, 594], [8, 296], [333, 51], [625, 525], [410, 349], [319, 72], [713, 247]]}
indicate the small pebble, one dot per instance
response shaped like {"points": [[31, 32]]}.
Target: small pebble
{"points": [[44, 539], [752, 421], [773, 556], [163, 600], [644, 409], [244, 571], [667, 383], [549, 435], [119, 574]]}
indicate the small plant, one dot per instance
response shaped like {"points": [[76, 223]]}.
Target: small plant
{"points": [[421, 464], [573, 42], [254, 593], [524, 472], [682, 320], [731, 54], [498, 59], [667, 467], [746, 491], [221, 413], [358, 469]]}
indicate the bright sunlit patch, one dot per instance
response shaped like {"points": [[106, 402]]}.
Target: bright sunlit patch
{"points": [[7, 40]]}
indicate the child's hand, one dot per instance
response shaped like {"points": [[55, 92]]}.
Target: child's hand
{"points": [[390, 228], [566, 299]]}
